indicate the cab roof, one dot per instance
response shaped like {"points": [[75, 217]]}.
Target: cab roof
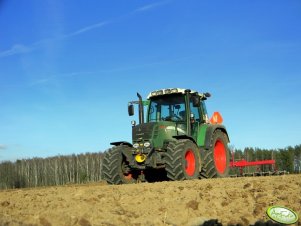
{"points": [[169, 91]]}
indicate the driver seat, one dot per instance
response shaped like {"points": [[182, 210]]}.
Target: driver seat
{"points": [[182, 114]]}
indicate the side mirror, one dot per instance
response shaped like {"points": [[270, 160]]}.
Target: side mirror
{"points": [[133, 123], [196, 101], [131, 109], [207, 94]]}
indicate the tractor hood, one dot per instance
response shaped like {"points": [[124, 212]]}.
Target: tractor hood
{"points": [[157, 132]]}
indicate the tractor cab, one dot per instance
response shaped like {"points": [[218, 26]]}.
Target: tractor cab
{"points": [[179, 110]]}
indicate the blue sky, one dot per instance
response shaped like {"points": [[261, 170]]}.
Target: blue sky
{"points": [[68, 69]]}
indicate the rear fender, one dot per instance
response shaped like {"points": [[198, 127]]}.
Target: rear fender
{"points": [[209, 132]]}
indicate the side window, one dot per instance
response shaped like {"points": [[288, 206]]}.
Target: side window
{"points": [[153, 112], [204, 113], [195, 111]]}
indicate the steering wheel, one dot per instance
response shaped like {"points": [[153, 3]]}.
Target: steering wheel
{"points": [[173, 118]]}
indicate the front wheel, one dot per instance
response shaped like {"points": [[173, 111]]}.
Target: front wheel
{"points": [[182, 160], [115, 168], [217, 158]]}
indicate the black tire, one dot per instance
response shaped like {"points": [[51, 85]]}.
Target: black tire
{"points": [[182, 160], [203, 173], [217, 158], [115, 169]]}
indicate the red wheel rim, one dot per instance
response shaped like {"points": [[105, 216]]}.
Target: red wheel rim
{"points": [[128, 176], [220, 156], [190, 162]]}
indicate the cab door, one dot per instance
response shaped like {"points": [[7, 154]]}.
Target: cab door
{"points": [[195, 120]]}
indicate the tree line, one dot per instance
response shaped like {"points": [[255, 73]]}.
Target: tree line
{"points": [[84, 168], [287, 159], [58, 170]]}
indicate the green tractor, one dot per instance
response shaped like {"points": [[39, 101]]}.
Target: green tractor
{"points": [[177, 141]]}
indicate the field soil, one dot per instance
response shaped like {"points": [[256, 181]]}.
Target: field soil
{"points": [[230, 200]]}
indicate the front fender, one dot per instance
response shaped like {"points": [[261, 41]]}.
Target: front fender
{"points": [[126, 150], [118, 143]]}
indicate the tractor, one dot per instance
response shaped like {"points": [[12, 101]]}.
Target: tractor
{"points": [[175, 141]]}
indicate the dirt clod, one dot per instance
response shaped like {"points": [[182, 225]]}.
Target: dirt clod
{"points": [[5, 203], [44, 222], [247, 185], [84, 222], [193, 205]]}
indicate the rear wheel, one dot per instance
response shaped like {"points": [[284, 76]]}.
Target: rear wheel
{"points": [[217, 158], [115, 168], [182, 160]]}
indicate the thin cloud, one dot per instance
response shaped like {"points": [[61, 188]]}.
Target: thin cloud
{"points": [[41, 81], [151, 6], [50, 78], [3, 147], [87, 28], [20, 48], [15, 49]]}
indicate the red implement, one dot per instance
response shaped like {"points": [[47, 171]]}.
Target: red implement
{"points": [[243, 163]]}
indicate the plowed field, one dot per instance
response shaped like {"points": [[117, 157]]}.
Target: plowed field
{"points": [[230, 200]]}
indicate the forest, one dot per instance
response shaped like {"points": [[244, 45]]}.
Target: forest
{"points": [[85, 168]]}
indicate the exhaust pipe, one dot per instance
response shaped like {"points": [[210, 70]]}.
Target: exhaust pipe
{"points": [[141, 109]]}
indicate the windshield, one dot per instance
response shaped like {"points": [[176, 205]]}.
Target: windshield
{"points": [[167, 108]]}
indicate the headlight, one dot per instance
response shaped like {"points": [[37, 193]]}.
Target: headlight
{"points": [[146, 144], [136, 145], [154, 93], [167, 91], [159, 92], [174, 90]]}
